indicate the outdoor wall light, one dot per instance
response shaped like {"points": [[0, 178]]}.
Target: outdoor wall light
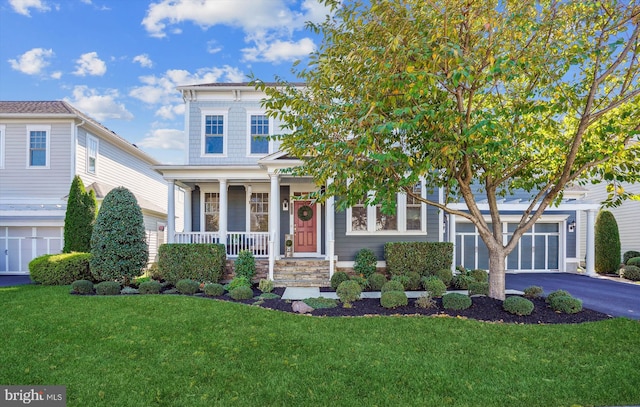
{"points": [[285, 205], [572, 226]]}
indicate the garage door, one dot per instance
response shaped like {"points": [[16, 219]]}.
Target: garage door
{"points": [[21, 244], [538, 249]]}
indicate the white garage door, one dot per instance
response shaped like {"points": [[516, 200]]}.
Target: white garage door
{"points": [[21, 244], [537, 250]]}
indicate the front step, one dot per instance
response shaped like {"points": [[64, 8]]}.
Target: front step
{"points": [[301, 273]]}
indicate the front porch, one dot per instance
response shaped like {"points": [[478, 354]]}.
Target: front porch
{"points": [[290, 272]]}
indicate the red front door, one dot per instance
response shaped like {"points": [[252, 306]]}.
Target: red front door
{"points": [[304, 227]]}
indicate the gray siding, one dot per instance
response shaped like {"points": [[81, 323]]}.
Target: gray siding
{"points": [[237, 209]]}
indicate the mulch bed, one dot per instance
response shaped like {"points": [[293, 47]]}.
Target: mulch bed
{"points": [[483, 309]]}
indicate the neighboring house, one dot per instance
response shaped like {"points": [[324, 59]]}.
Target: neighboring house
{"points": [[625, 215], [236, 194], [43, 145]]}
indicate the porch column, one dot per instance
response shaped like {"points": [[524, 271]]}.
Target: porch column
{"points": [[187, 210], [591, 245], [452, 239], [171, 211], [222, 221], [274, 222], [330, 230]]}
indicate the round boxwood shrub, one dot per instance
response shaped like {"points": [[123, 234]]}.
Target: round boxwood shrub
{"points": [[82, 287], [631, 273], [556, 293], [479, 275], [266, 286], [607, 243], [434, 286], [394, 299], [630, 254], [376, 281], [150, 287], [60, 269], [213, 289], [241, 293], [238, 282], [566, 304], [337, 278], [461, 281], [478, 288], [402, 279], [634, 261], [533, 291], [245, 265], [446, 275], [365, 262], [414, 281], [187, 286], [456, 301], [518, 305], [108, 288], [392, 285], [348, 292]]}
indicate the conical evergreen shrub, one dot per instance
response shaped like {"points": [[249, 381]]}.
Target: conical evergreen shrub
{"points": [[607, 243], [79, 218]]}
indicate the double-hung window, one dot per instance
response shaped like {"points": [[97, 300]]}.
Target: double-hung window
{"points": [[214, 132], [258, 134], [38, 146], [92, 154], [259, 212], [211, 211]]}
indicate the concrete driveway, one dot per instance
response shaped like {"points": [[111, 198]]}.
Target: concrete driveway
{"points": [[615, 298], [6, 281]]}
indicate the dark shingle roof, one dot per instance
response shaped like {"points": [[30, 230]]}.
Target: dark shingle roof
{"points": [[36, 107]]}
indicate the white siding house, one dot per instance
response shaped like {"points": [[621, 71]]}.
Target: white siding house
{"points": [[43, 145]]}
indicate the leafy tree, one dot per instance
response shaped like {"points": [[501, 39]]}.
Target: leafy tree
{"points": [[479, 98], [607, 243], [79, 218], [118, 243]]}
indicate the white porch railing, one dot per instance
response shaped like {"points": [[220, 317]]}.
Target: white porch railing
{"points": [[256, 242]]}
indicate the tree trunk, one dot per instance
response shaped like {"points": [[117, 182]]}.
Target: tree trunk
{"points": [[497, 266]]}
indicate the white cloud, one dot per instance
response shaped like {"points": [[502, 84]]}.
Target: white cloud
{"points": [[164, 139], [143, 60], [278, 51], [213, 47], [56, 75], [90, 64], [23, 6], [33, 61], [161, 90], [99, 106]]}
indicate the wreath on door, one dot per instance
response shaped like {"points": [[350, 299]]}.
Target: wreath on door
{"points": [[305, 213]]}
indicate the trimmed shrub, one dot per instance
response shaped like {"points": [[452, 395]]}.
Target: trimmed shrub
{"points": [[213, 289], [238, 282], [478, 288], [394, 299], [118, 242], [402, 279], [241, 293], [607, 243], [60, 269], [518, 306], [348, 291], [629, 255], [461, 281], [434, 286], [634, 261], [566, 304], [446, 275], [480, 276], [79, 218], [365, 262], [268, 296], [360, 280], [153, 271], [150, 287], [187, 286], [456, 301], [337, 278], [631, 273], [376, 281], [201, 261], [82, 287], [556, 293], [533, 291], [129, 290], [266, 286], [392, 285], [320, 302], [245, 265], [414, 281], [425, 301], [108, 288], [420, 257]]}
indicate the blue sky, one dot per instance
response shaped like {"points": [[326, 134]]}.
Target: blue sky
{"points": [[119, 61]]}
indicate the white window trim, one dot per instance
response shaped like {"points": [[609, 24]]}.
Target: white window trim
{"points": [[401, 213], [251, 112], [89, 139], [225, 131], [250, 189], [47, 129], [3, 129]]}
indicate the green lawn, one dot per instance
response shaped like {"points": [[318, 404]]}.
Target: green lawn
{"points": [[181, 351]]}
